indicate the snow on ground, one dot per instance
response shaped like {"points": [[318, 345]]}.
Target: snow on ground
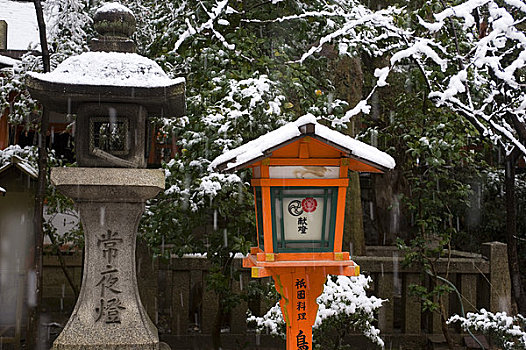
{"points": [[109, 69], [257, 148], [22, 28]]}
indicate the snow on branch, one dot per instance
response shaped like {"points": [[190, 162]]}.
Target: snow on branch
{"points": [[220, 8], [360, 17], [421, 46], [521, 5], [67, 23], [361, 107], [507, 331], [463, 10], [344, 300], [486, 86], [484, 76], [308, 14]]}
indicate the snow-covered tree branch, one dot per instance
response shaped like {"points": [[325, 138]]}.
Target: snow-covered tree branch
{"points": [[507, 331], [343, 303]]}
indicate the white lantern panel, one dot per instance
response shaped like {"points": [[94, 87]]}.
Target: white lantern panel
{"points": [[301, 225], [304, 172]]}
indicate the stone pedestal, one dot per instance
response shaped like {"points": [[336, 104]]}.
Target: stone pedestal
{"points": [[109, 313]]}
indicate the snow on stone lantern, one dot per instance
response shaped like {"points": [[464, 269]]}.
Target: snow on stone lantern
{"points": [[112, 91], [300, 179]]}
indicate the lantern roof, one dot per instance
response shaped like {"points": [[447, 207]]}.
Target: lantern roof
{"points": [[111, 69], [263, 146], [21, 165], [112, 72], [112, 77]]}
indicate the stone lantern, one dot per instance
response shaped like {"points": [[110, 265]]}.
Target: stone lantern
{"points": [[112, 90], [300, 179]]}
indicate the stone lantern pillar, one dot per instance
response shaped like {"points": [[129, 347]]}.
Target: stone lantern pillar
{"points": [[112, 91]]}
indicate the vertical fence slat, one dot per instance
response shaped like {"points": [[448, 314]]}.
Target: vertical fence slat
{"points": [[411, 306], [197, 309], [180, 302], [238, 324], [500, 289], [210, 305], [468, 289], [385, 291]]}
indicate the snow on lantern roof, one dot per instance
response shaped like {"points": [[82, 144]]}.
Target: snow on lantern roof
{"points": [[8, 61], [22, 165], [306, 125], [109, 69], [113, 7]]}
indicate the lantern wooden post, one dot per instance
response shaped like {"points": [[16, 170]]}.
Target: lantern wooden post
{"points": [[300, 179], [299, 287]]}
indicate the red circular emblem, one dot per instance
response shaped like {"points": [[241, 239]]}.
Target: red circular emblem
{"points": [[309, 204]]}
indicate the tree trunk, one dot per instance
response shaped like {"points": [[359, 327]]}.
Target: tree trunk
{"points": [[348, 79], [353, 228], [517, 290], [34, 334]]}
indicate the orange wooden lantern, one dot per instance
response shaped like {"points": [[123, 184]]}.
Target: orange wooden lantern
{"points": [[300, 179]]}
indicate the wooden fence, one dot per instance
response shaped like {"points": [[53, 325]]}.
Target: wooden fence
{"points": [[175, 295]]}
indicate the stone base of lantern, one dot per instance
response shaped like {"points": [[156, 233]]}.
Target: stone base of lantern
{"points": [[109, 313]]}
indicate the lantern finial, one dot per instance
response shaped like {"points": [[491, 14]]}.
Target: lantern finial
{"points": [[115, 24]]}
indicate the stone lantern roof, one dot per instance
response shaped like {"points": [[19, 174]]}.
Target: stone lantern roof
{"points": [[112, 72]]}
